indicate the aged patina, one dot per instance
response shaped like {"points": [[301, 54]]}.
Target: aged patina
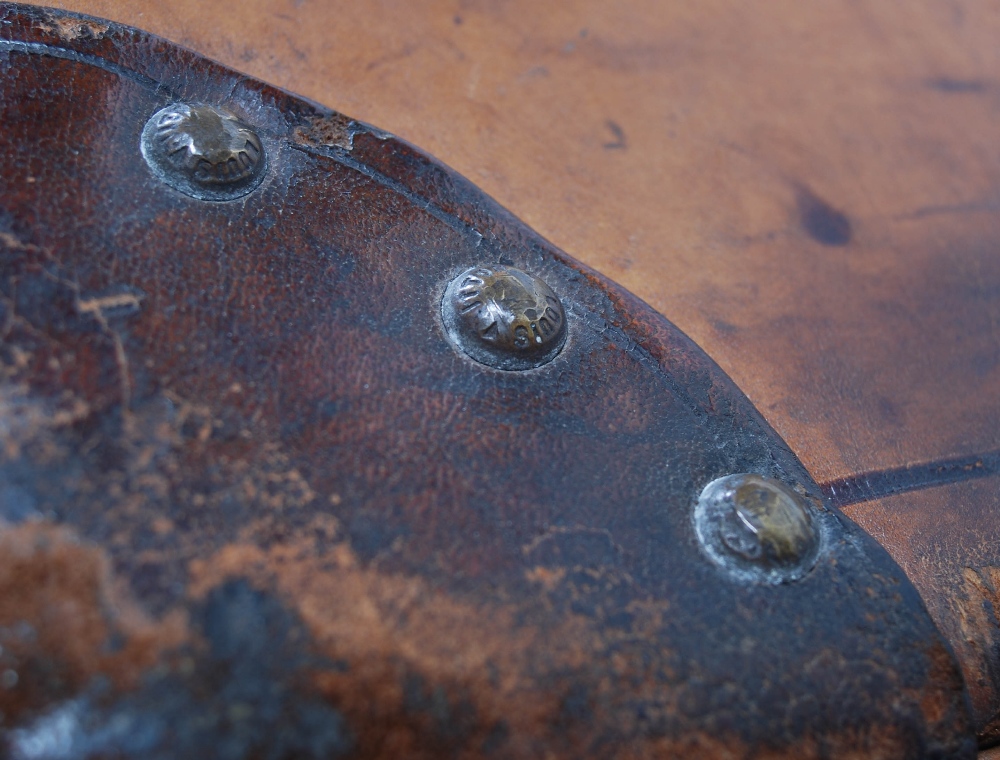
{"points": [[255, 500], [504, 317], [757, 528], [203, 151]]}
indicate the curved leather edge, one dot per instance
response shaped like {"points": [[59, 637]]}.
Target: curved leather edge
{"points": [[657, 357]]}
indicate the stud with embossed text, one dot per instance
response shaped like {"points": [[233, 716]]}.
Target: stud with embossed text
{"points": [[757, 528], [203, 152], [504, 317]]}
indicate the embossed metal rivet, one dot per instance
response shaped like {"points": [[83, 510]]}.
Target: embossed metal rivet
{"points": [[757, 528], [504, 317], [203, 152]]}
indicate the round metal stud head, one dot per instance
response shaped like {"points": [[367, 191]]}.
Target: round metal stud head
{"points": [[757, 528], [203, 152], [504, 317]]}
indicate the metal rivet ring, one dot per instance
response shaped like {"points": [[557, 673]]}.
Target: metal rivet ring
{"points": [[203, 152], [504, 317], [757, 528]]}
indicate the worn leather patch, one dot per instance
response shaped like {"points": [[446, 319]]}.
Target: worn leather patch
{"points": [[308, 526]]}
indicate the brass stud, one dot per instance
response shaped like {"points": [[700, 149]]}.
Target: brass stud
{"points": [[504, 317], [203, 152], [757, 528]]}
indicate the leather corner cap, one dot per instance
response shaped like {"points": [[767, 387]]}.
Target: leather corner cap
{"points": [[258, 497]]}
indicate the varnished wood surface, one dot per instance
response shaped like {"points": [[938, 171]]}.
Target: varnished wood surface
{"points": [[810, 191]]}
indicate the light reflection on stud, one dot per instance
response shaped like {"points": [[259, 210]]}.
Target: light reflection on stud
{"points": [[203, 152], [504, 317], [757, 528]]}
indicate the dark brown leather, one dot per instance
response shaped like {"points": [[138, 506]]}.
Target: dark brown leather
{"points": [[807, 190], [257, 504]]}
